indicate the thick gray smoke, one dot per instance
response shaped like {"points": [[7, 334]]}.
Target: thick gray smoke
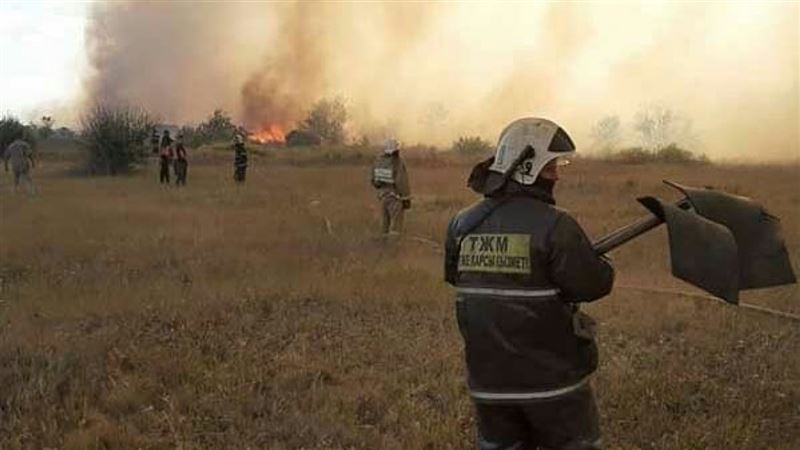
{"points": [[178, 60], [431, 73], [292, 75]]}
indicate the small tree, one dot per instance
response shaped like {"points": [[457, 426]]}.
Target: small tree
{"points": [[46, 130], [64, 133], [675, 154], [115, 138], [659, 127], [472, 146], [433, 115], [607, 133], [670, 154], [190, 135], [12, 129], [326, 119], [362, 142], [302, 138], [654, 124], [219, 126]]}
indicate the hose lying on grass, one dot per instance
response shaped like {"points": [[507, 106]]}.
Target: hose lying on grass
{"points": [[437, 247], [762, 309]]}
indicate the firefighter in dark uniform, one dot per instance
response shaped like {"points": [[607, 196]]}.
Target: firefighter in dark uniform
{"points": [[521, 267], [154, 141], [181, 164], [239, 159], [166, 153]]}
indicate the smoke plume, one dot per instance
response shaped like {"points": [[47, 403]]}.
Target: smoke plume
{"points": [[431, 73]]}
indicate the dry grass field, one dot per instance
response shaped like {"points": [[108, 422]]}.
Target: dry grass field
{"points": [[271, 316]]}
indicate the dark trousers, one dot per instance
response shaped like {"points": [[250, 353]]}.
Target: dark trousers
{"points": [[164, 173], [239, 173], [567, 422], [181, 168]]}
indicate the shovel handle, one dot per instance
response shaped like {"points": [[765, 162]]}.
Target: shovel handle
{"points": [[631, 231]]}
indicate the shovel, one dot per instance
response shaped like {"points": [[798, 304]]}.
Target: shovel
{"points": [[719, 242]]}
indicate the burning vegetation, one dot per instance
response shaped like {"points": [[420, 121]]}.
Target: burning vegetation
{"points": [[269, 134]]}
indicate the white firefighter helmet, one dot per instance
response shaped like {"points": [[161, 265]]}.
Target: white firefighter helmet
{"points": [[525, 146], [391, 146], [238, 138]]}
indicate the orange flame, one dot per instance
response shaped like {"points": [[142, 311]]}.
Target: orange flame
{"points": [[269, 134]]}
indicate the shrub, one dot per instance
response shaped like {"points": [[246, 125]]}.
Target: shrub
{"points": [[363, 141], [472, 146], [64, 133], [115, 138], [12, 129], [326, 119], [672, 153], [190, 136], [633, 155], [607, 133], [299, 138], [218, 127], [46, 129]]}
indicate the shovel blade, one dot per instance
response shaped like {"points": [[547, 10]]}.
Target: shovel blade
{"points": [[702, 252], [763, 258]]}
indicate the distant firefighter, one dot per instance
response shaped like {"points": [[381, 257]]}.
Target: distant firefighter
{"points": [[166, 154], [181, 164], [390, 178], [21, 156], [239, 159], [154, 141]]}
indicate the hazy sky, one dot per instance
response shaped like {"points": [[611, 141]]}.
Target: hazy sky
{"points": [[41, 55], [427, 72]]}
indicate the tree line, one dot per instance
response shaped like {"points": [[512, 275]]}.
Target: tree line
{"points": [[116, 137]]}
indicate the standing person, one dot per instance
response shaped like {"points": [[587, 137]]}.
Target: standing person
{"points": [[521, 267], [21, 156], [166, 154], [154, 141], [239, 159], [390, 178], [181, 163]]}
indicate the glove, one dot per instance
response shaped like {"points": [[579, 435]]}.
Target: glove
{"points": [[407, 203]]}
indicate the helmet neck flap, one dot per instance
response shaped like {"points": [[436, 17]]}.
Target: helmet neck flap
{"points": [[524, 148]]}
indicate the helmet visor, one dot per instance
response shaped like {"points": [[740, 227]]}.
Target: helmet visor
{"points": [[563, 161]]}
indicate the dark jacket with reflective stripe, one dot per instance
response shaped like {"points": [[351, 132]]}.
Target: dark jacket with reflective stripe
{"points": [[525, 343]]}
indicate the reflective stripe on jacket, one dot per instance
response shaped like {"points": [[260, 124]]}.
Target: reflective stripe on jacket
{"points": [[389, 174], [519, 265]]}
